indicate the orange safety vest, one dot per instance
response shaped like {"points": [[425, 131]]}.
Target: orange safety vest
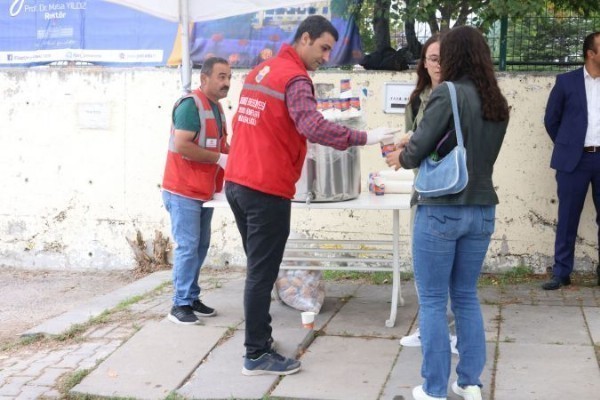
{"points": [[197, 180], [267, 152]]}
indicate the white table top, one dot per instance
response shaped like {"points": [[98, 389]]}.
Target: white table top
{"points": [[365, 201]]}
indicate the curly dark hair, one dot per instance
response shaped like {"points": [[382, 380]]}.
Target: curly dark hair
{"points": [[423, 78], [464, 52]]}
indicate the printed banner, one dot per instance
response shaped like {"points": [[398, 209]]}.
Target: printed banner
{"points": [[37, 32], [42, 31], [247, 40]]}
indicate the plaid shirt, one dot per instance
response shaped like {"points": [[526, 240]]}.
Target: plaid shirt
{"points": [[302, 106]]}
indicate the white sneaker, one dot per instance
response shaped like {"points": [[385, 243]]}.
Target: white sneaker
{"points": [[471, 392], [413, 340], [453, 341], [419, 394]]}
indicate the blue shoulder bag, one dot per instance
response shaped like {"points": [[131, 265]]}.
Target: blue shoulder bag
{"points": [[449, 175]]}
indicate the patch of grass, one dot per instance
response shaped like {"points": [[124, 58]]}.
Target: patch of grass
{"points": [[516, 275], [128, 302], [376, 278], [69, 381], [21, 342], [524, 274], [70, 396], [78, 329], [372, 278], [174, 396], [72, 332]]}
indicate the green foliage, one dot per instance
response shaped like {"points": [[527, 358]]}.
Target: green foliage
{"points": [[582, 7], [551, 40]]}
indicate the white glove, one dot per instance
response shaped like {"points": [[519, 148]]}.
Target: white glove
{"points": [[376, 135], [222, 161]]}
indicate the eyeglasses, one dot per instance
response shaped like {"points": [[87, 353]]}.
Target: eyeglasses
{"points": [[433, 59]]}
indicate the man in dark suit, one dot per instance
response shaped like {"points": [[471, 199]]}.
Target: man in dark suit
{"points": [[573, 122]]}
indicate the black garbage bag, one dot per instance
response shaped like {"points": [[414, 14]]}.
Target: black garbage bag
{"points": [[387, 59]]}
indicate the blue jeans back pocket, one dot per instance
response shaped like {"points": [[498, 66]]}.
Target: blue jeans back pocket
{"points": [[488, 220], [444, 221]]}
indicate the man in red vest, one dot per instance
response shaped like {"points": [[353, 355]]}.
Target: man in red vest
{"points": [[194, 171], [277, 114]]}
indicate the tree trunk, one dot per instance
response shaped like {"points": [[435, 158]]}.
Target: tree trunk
{"points": [[381, 24], [414, 46]]}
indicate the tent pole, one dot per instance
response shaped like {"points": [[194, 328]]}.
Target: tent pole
{"points": [[186, 71]]}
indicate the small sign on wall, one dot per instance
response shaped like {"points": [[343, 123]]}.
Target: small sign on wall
{"points": [[396, 96], [93, 115]]}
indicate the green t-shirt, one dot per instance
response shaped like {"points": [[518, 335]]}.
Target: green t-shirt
{"points": [[186, 116]]}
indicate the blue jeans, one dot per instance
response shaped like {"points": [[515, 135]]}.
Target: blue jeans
{"points": [[190, 227], [449, 246]]}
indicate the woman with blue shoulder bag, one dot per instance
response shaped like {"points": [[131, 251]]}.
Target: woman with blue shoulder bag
{"points": [[453, 227]]}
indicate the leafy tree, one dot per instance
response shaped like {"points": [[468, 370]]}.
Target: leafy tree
{"points": [[443, 15], [375, 19], [538, 38]]}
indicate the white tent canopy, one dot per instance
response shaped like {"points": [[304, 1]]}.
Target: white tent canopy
{"points": [[186, 11]]}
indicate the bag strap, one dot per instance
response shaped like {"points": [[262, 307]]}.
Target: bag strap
{"points": [[459, 136]]}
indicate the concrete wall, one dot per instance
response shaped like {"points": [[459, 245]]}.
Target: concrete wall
{"points": [[82, 154]]}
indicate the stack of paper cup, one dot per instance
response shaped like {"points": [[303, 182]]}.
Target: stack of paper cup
{"points": [[390, 181]]}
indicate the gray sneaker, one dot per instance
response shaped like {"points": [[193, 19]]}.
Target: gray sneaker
{"points": [[270, 364]]}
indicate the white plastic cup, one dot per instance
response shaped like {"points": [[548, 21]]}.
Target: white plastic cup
{"points": [[308, 319]]}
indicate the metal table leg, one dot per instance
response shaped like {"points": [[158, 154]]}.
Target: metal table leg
{"points": [[396, 289]]}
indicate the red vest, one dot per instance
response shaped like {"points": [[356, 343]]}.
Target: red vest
{"points": [[197, 180], [267, 152]]}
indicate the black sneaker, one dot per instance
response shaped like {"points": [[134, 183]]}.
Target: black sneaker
{"points": [[270, 364], [556, 283], [203, 310], [183, 315]]}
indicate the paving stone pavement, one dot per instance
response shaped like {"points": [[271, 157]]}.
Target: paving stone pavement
{"points": [[541, 345]]}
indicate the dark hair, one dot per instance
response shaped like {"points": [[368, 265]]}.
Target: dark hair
{"points": [[423, 78], [588, 44], [315, 26], [209, 63], [464, 52]]}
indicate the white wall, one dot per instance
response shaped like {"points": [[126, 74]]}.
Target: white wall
{"points": [[82, 154]]}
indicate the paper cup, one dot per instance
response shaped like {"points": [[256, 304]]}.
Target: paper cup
{"points": [[387, 146], [378, 187], [308, 319]]}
